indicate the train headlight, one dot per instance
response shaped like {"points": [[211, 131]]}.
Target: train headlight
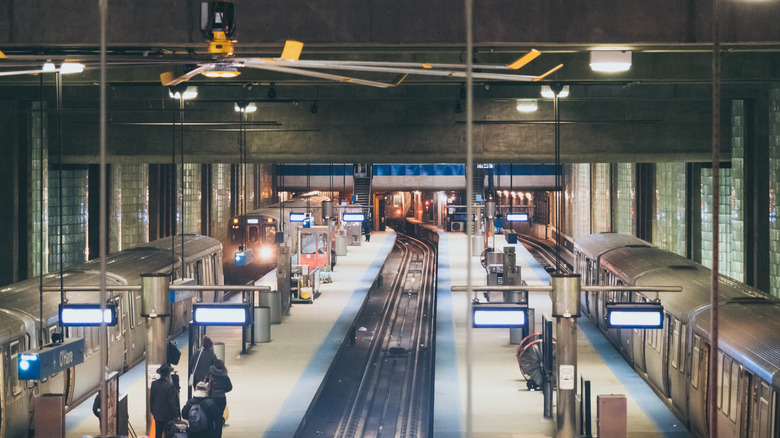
{"points": [[266, 252]]}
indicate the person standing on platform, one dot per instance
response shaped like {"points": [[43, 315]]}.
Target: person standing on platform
{"points": [[201, 361], [163, 400], [201, 412], [367, 226], [219, 384]]}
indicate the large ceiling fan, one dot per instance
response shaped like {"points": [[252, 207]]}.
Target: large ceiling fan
{"points": [[218, 26]]}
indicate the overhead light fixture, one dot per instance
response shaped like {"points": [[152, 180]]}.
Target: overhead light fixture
{"points": [[49, 67], [222, 71], [71, 67], [548, 92], [188, 93], [610, 61], [527, 105], [245, 107]]}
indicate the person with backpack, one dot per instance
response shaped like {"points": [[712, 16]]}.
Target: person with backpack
{"points": [[163, 400], [201, 361], [219, 384], [201, 413]]}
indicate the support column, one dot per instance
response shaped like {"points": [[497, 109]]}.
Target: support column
{"points": [[283, 276], [155, 305], [566, 308]]}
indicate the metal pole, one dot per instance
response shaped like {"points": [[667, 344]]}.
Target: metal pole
{"points": [[713, 366], [566, 308], [155, 305]]}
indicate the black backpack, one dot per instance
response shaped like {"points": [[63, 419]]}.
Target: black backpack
{"points": [[197, 418]]}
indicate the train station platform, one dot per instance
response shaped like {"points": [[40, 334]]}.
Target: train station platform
{"points": [[486, 371], [275, 382]]}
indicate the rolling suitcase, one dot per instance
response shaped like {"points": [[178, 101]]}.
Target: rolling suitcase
{"points": [[177, 429]]}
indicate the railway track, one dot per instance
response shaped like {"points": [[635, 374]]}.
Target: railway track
{"points": [[381, 382], [544, 253]]}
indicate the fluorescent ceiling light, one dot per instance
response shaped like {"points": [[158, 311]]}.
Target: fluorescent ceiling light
{"points": [[610, 61], [548, 92], [248, 108], [222, 71], [71, 67], [189, 93], [527, 105]]}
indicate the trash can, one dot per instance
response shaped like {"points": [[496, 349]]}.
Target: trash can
{"points": [[341, 245], [219, 350], [273, 300], [262, 324]]}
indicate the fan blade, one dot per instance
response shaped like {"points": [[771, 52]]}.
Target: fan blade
{"points": [[261, 65], [381, 68], [528, 57], [20, 72], [168, 79], [552, 70], [292, 50]]}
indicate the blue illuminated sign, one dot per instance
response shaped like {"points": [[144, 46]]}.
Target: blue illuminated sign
{"points": [[297, 217], [87, 315], [517, 217], [50, 360], [353, 217], [243, 258], [499, 315], [635, 315], [221, 314]]}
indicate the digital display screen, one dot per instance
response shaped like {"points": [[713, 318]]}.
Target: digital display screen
{"points": [[638, 315], [297, 217], [499, 316], [87, 314], [517, 217], [353, 217], [220, 315]]}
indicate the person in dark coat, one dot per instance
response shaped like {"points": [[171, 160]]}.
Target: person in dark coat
{"points": [[201, 397], [219, 384], [201, 361], [163, 400]]}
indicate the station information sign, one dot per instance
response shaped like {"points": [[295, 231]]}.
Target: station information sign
{"points": [[51, 359]]}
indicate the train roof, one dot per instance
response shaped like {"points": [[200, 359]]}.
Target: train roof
{"points": [[631, 262], [594, 245], [11, 326], [195, 246], [749, 332], [307, 200]]}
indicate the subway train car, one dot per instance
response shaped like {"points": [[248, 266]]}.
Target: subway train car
{"points": [[21, 328], [397, 206], [674, 359], [257, 230]]}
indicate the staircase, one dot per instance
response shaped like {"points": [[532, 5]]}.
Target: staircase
{"points": [[362, 181]]}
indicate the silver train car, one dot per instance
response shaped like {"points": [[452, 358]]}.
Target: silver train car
{"points": [[21, 328], [674, 360], [257, 231]]}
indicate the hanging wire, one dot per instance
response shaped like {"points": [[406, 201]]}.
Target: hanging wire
{"points": [[40, 205], [469, 5], [181, 178], [716, 85], [103, 7], [172, 197], [58, 86]]}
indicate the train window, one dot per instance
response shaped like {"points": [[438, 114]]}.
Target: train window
{"points": [[725, 394], [765, 423], [734, 390], [137, 308], [269, 234], [322, 246], [695, 361], [674, 349], [683, 338], [308, 244], [254, 233], [16, 384]]}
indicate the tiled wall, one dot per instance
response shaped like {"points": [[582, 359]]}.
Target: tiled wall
{"points": [[624, 205], [737, 247], [669, 221], [774, 191], [220, 199], [129, 206], [39, 186], [72, 217], [581, 222], [600, 196], [189, 192], [724, 234]]}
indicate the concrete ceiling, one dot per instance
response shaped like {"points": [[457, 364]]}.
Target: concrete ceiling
{"points": [[657, 111]]}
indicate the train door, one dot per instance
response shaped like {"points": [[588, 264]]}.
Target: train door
{"points": [[697, 398], [134, 344], [15, 401], [764, 410], [116, 346]]}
